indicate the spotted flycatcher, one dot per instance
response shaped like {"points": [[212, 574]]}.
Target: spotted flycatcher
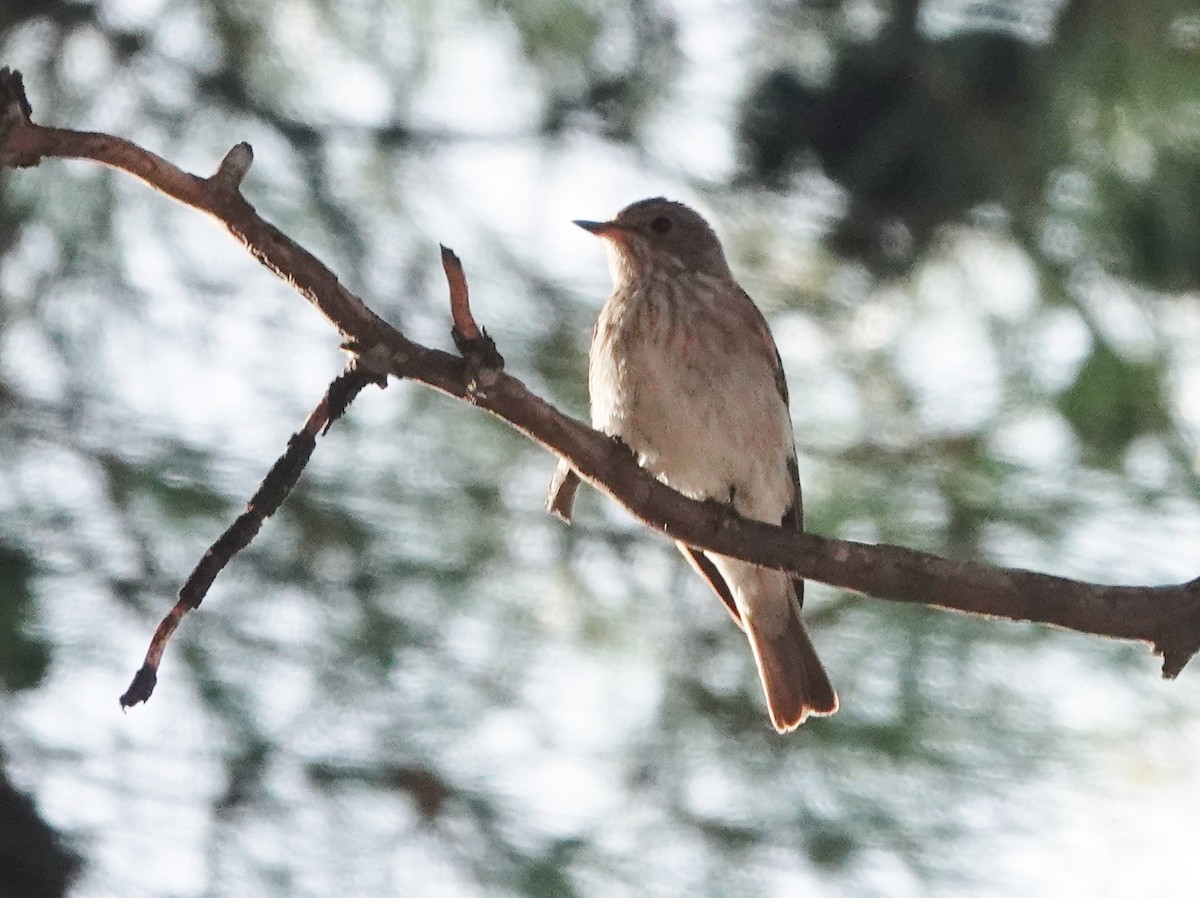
{"points": [[684, 371]]}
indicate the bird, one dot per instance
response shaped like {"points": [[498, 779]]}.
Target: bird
{"points": [[683, 370]]}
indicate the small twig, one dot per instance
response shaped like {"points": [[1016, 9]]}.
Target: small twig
{"points": [[275, 487], [15, 112], [483, 360], [460, 296], [234, 167], [12, 92]]}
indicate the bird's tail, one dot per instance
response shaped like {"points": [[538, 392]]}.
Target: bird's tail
{"points": [[792, 675]]}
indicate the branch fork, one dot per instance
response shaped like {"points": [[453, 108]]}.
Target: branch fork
{"points": [[483, 361]]}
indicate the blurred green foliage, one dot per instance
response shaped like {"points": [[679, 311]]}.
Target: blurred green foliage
{"points": [[1112, 402], [23, 657]]}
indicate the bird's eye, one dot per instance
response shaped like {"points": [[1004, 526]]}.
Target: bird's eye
{"points": [[661, 225]]}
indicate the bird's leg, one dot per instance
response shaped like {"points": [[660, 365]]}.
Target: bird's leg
{"points": [[620, 447]]}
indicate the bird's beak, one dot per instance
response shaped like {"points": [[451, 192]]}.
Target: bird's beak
{"points": [[599, 228]]}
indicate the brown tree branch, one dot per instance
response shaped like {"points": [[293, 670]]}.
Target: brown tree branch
{"points": [[274, 489], [1166, 617]]}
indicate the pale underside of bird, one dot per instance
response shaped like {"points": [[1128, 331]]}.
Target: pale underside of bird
{"points": [[683, 370]]}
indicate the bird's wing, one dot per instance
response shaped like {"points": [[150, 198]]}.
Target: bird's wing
{"points": [[758, 324], [706, 569], [794, 516], [560, 498]]}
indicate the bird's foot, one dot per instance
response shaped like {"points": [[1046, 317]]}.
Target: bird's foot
{"points": [[724, 511], [620, 447]]}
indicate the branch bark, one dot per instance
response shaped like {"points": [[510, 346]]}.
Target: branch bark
{"points": [[1166, 617]]}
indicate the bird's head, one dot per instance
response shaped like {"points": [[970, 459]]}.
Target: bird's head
{"points": [[659, 234]]}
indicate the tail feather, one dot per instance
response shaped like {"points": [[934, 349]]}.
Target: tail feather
{"points": [[560, 498], [765, 604], [793, 678]]}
